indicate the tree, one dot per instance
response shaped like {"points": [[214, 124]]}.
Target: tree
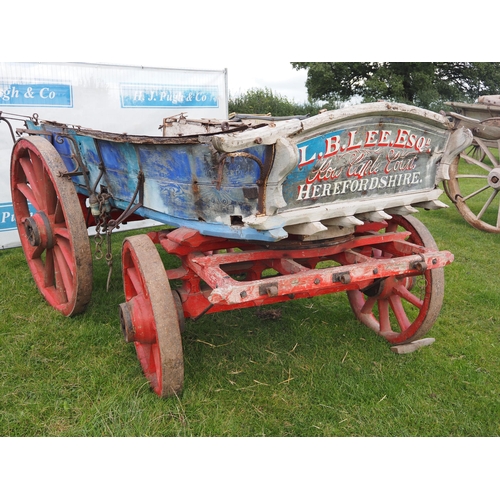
{"points": [[425, 84], [264, 101]]}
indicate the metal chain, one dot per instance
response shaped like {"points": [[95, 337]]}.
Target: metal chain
{"points": [[101, 209], [102, 218], [98, 241], [109, 257]]}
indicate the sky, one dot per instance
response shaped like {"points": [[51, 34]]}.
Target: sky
{"points": [[255, 42]]}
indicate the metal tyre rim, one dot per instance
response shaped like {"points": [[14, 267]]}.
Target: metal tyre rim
{"points": [[54, 238], [402, 309], [150, 316]]}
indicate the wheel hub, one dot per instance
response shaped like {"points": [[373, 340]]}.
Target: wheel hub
{"points": [[494, 178], [126, 325], [39, 231], [136, 321]]}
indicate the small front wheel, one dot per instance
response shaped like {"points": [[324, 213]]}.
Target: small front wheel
{"points": [[150, 317], [401, 309]]}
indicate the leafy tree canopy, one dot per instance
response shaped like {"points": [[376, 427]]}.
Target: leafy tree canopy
{"points": [[425, 84], [265, 101]]}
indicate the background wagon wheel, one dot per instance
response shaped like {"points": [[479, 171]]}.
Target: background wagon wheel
{"points": [[474, 186], [402, 309], [150, 317], [476, 151], [54, 239]]}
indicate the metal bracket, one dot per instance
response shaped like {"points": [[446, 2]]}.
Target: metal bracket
{"points": [[269, 289], [344, 278], [420, 265]]}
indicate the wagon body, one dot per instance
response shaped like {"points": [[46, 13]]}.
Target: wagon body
{"points": [[295, 176], [485, 107], [260, 211]]}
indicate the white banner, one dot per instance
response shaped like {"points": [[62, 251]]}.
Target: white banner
{"points": [[121, 99]]}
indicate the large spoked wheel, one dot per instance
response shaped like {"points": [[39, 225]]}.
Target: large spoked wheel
{"points": [[151, 316], [402, 309], [474, 185], [54, 237]]}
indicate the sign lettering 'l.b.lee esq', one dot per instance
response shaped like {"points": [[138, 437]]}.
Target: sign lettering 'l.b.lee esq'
{"points": [[373, 159]]}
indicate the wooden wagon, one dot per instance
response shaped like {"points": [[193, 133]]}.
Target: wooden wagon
{"points": [[257, 211]]}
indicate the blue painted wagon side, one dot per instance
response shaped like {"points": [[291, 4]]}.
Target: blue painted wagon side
{"points": [[185, 184]]}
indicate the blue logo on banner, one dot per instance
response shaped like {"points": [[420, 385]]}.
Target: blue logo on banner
{"points": [[7, 217], [168, 96], [47, 94]]}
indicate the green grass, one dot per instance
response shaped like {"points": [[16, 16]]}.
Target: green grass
{"points": [[312, 371]]}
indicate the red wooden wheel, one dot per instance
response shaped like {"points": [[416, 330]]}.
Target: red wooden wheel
{"points": [[402, 309], [54, 238], [150, 317]]}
